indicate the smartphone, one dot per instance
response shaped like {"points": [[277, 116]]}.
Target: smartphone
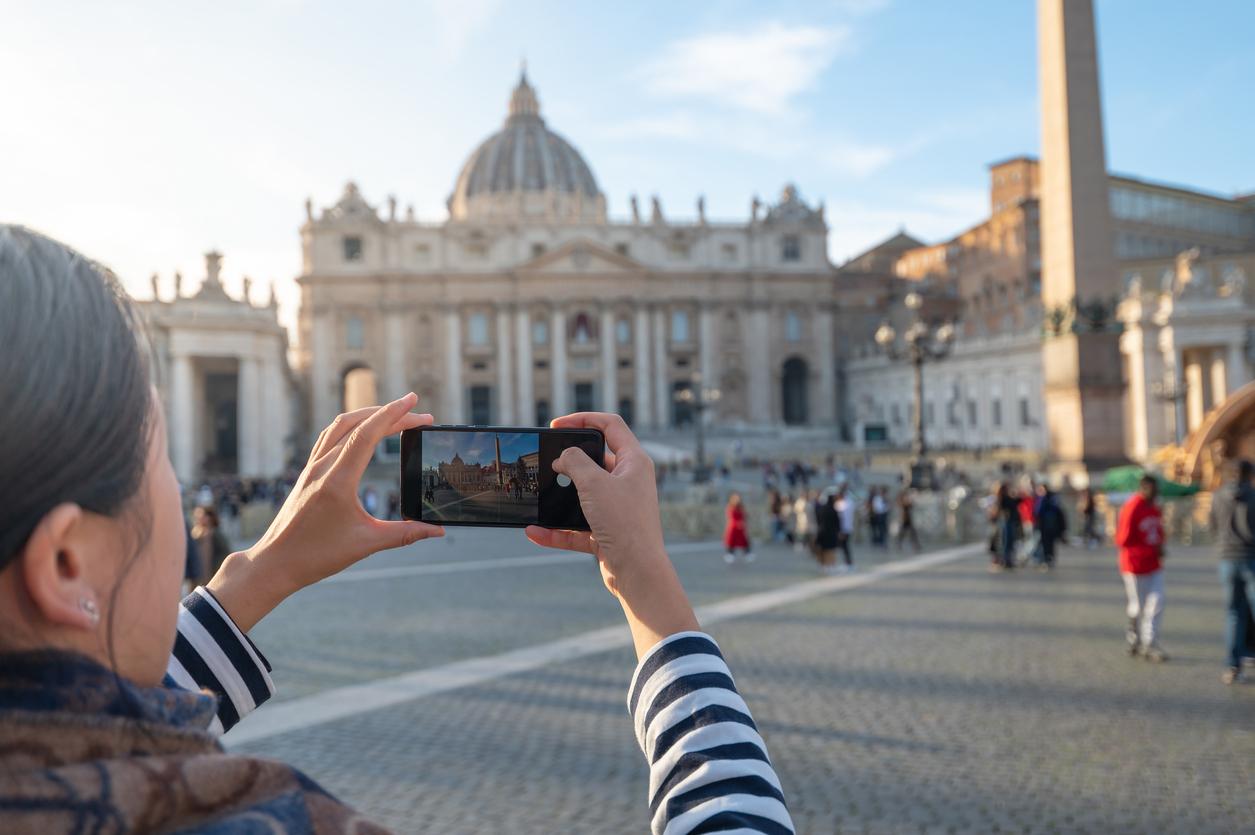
{"points": [[492, 476]]}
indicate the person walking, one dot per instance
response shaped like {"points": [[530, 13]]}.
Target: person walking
{"points": [[775, 512], [844, 505], [1005, 515], [827, 533], [878, 512], [1233, 519], [804, 522], [736, 541], [1052, 527], [1140, 538], [1089, 519], [906, 517]]}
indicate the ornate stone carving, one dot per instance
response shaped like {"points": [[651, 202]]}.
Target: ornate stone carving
{"points": [[656, 210], [1095, 315], [1232, 281]]}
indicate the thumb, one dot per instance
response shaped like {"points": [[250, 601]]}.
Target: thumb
{"points": [[399, 534], [575, 463]]}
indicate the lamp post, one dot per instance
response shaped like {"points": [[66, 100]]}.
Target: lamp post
{"points": [[699, 399], [924, 343], [1168, 390]]}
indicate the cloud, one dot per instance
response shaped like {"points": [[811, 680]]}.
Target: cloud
{"points": [[853, 159], [455, 22], [760, 70]]}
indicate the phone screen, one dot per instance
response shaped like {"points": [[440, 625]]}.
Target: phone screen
{"points": [[492, 476]]}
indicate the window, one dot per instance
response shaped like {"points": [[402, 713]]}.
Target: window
{"points": [[729, 253], [996, 413], [542, 412], [583, 330], [540, 332], [422, 252], [479, 366], [790, 248], [623, 332], [354, 334], [538, 250], [625, 363], [1026, 416], [622, 249], [541, 365], [478, 329], [896, 414], [679, 326], [928, 413], [625, 410], [679, 249], [792, 327], [971, 412], [352, 245], [682, 362], [584, 397], [481, 405]]}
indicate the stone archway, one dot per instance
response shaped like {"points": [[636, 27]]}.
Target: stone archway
{"points": [[359, 387], [794, 392], [1226, 433]]}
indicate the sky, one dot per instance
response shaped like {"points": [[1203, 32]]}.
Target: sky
{"points": [[145, 134], [477, 447]]}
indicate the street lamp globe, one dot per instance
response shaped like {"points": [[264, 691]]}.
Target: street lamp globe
{"points": [[945, 334], [914, 300], [885, 335]]}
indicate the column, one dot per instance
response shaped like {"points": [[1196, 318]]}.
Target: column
{"points": [[394, 356], [526, 410], [181, 408], [280, 413], [1193, 392], [505, 379], [609, 362], [248, 417], [1219, 379], [662, 393], [453, 396], [826, 413], [644, 415], [326, 400], [1235, 367], [1132, 345], [709, 346], [557, 362], [758, 357]]}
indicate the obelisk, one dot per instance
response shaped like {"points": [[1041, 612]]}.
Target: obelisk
{"points": [[1080, 284]]}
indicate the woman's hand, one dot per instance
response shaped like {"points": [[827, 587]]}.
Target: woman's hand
{"points": [[322, 528], [620, 503]]}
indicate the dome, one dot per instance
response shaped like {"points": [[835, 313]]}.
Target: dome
{"points": [[526, 169]]}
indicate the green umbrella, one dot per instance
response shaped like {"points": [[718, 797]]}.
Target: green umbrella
{"points": [[1125, 480]]}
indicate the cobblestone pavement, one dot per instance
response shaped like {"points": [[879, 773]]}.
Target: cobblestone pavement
{"points": [[949, 700]]}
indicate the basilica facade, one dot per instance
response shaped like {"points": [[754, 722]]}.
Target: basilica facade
{"points": [[529, 301]]}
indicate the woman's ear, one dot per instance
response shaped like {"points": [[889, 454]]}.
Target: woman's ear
{"points": [[54, 570]]}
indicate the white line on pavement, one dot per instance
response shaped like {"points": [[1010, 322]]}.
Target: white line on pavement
{"points": [[345, 702], [455, 567]]}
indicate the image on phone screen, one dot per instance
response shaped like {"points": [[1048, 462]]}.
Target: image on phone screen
{"points": [[492, 476]]}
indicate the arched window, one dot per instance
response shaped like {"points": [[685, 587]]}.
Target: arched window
{"points": [[354, 334], [360, 389], [477, 329], [623, 331], [583, 331], [540, 332], [679, 326], [792, 327], [793, 384]]}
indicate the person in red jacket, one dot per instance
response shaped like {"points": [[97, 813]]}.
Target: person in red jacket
{"points": [[1140, 537], [735, 538]]}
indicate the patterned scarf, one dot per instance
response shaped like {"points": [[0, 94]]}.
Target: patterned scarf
{"points": [[82, 751]]}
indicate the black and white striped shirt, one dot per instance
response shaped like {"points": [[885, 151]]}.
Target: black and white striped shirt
{"points": [[708, 767]]}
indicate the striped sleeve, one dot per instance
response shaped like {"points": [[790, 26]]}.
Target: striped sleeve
{"points": [[708, 767], [211, 653]]}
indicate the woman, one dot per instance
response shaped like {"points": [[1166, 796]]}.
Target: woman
{"points": [[1005, 514], [103, 728], [804, 521], [1089, 519], [212, 547], [845, 507], [906, 516], [736, 541], [827, 533]]}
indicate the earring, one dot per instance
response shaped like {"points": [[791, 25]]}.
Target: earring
{"points": [[89, 606]]}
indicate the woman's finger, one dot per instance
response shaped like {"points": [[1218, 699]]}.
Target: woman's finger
{"points": [[563, 540], [338, 429], [618, 436], [362, 441]]}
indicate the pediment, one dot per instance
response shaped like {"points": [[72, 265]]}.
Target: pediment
{"points": [[581, 257]]}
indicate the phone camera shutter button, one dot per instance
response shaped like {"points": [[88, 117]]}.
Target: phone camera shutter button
{"points": [[563, 480]]}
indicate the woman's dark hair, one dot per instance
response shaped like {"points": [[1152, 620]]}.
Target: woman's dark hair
{"points": [[75, 378]]}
